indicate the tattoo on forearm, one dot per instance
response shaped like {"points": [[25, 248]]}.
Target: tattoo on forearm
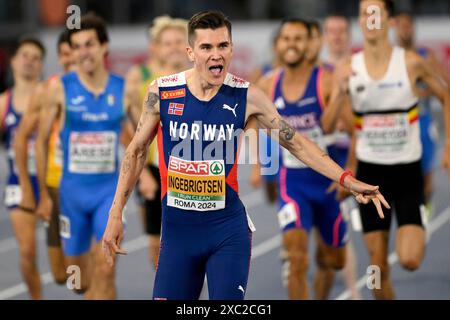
{"points": [[286, 131], [139, 126], [126, 194], [151, 101], [126, 163]]}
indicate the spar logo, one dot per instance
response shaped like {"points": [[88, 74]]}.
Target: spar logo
{"points": [[216, 168]]}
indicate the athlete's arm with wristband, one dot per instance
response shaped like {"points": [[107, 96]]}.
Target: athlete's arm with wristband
{"points": [[307, 151]]}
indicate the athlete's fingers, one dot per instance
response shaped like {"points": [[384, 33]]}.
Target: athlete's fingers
{"points": [[377, 204], [383, 200], [361, 199], [117, 249]]}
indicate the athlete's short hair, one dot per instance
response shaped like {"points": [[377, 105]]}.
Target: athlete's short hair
{"points": [[406, 14], [30, 40], [162, 23], [337, 16], [91, 21], [62, 38], [210, 19], [315, 24], [388, 4], [301, 21]]}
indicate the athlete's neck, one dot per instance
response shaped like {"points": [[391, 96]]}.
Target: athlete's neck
{"points": [[378, 51], [337, 57], [407, 44], [24, 86], [200, 88], [95, 81], [298, 72]]}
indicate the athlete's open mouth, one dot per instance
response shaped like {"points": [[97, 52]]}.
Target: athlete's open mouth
{"points": [[216, 69]]}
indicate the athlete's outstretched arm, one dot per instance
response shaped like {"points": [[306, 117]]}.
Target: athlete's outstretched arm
{"points": [[440, 88], [52, 103], [303, 149], [26, 128], [132, 165]]}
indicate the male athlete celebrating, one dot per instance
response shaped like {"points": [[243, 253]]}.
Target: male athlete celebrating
{"points": [[205, 226]]}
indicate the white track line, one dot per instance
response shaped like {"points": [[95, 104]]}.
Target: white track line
{"points": [[432, 227]]}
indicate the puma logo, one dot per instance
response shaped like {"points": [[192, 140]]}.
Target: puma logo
{"points": [[227, 107], [242, 289]]}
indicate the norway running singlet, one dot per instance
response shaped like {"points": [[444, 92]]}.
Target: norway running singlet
{"points": [[204, 224]]}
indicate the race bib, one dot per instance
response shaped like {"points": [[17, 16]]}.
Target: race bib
{"points": [[386, 135], [196, 185], [92, 152], [13, 195], [287, 215], [64, 227], [315, 135]]}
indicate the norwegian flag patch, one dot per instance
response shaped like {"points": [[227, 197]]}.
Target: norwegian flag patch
{"points": [[176, 108]]}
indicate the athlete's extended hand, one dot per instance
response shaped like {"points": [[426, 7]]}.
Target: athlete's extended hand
{"points": [[341, 192], [45, 207], [364, 193], [112, 238]]}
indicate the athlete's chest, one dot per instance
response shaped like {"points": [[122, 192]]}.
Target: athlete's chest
{"points": [[217, 119], [85, 108], [302, 114]]}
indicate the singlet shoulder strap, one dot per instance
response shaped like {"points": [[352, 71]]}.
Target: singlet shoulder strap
{"points": [[174, 80]]}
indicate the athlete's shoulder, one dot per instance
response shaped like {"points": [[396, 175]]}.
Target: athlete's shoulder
{"points": [[3, 100], [423, 51], [326, 66], [4, 96], [412, 58], [173, 80], [268, 80], [235, 82], [117, 79], [67, 77]]}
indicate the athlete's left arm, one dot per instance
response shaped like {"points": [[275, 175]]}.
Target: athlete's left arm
{"points": [[259, 105], [27, 126], [334, 94], [439, 88]]}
